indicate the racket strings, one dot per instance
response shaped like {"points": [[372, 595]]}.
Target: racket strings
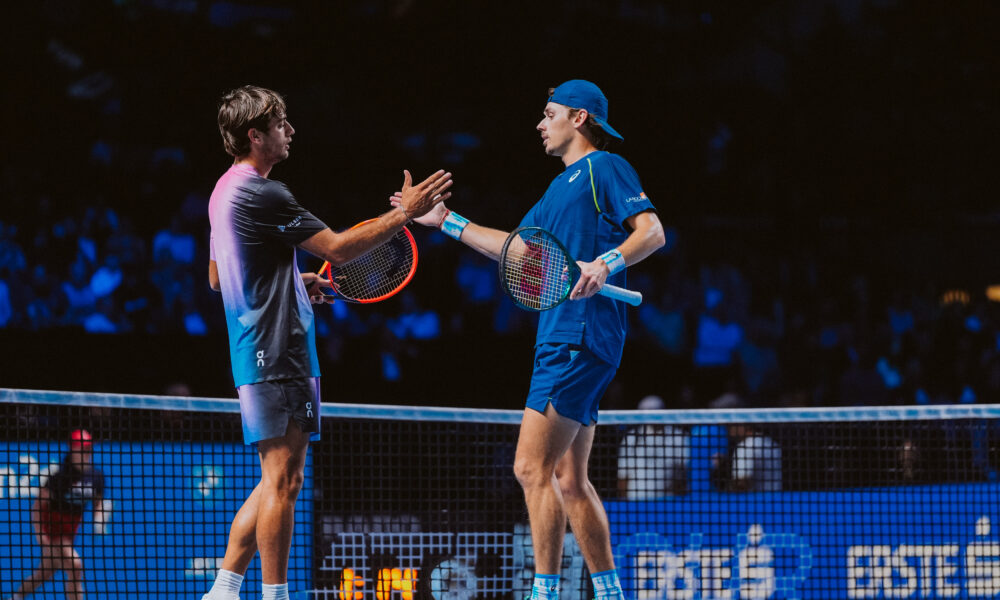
{"points": [[536, 275], [376, 273]]}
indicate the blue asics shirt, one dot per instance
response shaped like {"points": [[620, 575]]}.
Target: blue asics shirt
{"points": [[586, 207], [256, 224]]}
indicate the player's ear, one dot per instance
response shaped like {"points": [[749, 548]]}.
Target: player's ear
{"points": [[580, 117], [253, 135]]}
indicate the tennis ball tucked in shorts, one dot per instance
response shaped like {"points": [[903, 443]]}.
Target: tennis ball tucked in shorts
{"points": [[570, 378]]}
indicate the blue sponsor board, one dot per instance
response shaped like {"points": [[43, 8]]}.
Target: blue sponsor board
{"points": [[905, 542], [171, 505]]}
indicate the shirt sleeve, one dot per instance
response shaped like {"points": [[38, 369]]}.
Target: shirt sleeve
{"points": [[620, 190], [530, 219], [277, 215]]}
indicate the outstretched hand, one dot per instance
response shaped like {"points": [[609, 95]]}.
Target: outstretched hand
{"points": [[314, 288], [418, 200], [433, 218]]}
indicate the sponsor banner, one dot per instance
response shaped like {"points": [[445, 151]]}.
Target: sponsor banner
{"points": [[171, 506], [905, 542]]}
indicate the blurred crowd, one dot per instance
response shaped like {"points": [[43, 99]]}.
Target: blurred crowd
{"points": [[789, 333], [797, 272], [93, 271]]}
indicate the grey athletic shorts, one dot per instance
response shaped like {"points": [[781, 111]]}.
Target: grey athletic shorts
{"points": [[267, 406]]}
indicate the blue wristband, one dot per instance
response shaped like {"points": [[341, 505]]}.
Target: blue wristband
{"points": [[614, 260], [453, 225]]}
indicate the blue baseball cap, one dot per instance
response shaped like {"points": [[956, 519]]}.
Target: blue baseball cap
{"points": [[579, 93]]}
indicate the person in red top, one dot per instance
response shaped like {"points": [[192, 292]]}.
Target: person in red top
{"points": [[57, 513]]}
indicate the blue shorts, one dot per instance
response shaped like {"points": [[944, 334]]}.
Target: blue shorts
{"points": [[267, 406], [570, 378]]}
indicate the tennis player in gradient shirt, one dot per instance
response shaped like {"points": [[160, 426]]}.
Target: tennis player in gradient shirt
{"points": [[257, 226]]}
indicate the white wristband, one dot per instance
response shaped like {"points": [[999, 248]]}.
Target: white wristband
{"points": [[453, 225], [614, 260]]}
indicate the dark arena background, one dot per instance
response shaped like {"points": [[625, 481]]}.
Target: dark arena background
{"points": [[830, 287]]}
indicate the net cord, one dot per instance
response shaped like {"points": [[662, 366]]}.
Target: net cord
{"points": [[502, 416]]}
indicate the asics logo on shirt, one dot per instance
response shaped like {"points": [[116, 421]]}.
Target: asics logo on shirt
{"points": [[574, 176]]}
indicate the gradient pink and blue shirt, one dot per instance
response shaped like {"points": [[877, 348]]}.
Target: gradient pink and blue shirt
{"points": [[256, 226]]}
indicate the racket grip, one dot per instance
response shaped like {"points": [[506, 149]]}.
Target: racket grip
{"points": [[617, 293]]}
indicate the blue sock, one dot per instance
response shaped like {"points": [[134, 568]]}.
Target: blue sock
{"points": [[607, 586], [546, 587]]}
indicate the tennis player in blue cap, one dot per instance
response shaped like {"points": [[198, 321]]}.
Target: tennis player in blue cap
{"points": [[598, 209]]}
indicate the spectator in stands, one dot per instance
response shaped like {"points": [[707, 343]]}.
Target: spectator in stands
{"points": [[759, 365], [42, 300], [716, 338], [909, 461], [415, 322], [861, 384], [653, 459], [76, 291], [6, 308], [12, 259], [755, 463]]}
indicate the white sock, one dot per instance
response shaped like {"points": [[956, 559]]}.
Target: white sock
{"points": [[277, 591], [227, 584], [545, 587], [607, 586]]}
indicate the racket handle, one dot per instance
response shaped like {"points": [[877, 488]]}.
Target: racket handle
{"points": [[617, 293]]}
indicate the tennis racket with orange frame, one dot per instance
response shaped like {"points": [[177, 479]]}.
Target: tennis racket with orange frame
{"points": [[377, 274]]}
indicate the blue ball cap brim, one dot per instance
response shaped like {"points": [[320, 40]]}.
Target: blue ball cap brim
{"points": [[580, 93], [609, 129]]}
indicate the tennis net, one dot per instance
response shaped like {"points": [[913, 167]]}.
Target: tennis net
{"points": [[410, 502]]}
